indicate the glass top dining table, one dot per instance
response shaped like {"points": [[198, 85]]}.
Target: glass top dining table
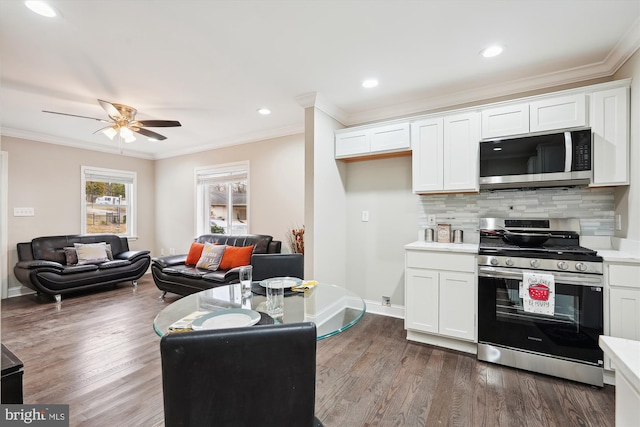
{"points": [[332, 308]]}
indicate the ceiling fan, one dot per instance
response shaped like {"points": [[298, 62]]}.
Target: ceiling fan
{"points": [[123, 122]]}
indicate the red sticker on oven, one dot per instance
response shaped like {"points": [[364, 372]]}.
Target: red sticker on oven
{"points": [[539, 292]]}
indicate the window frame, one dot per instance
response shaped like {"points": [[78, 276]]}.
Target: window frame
{"points": [[202, 225], [128, 178]]}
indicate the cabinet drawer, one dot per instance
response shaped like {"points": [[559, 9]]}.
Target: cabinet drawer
{"points": [[624, 275], [441, 261]]}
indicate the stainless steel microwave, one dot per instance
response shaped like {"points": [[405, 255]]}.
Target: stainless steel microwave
{"points": [[558, 159]]}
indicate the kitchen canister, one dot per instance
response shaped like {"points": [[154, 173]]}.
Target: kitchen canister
{"points": [[457, 236], [428, 234]]}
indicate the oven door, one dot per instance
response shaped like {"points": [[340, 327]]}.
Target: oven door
{"points": [[571, 332]]}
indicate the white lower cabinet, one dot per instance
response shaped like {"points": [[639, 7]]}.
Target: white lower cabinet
{"points": [[624, 301], [440, 296]]}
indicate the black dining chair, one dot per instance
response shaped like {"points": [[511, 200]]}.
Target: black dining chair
{"points": [[266, 266], [245, 377]]}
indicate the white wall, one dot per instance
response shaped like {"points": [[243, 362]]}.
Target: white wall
{"points": [[326, 210], [375, 261], [276, 190]]}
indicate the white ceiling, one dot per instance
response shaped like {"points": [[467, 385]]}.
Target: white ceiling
{"points": [[212, 64]]}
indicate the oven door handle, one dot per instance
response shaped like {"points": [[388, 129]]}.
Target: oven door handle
{"points": [[564, 278]]}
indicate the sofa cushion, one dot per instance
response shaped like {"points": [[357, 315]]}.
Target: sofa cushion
{"points": [[72, 269], [195, 252], [113, 264], [236, 257], [211, 256], [91, 253]]}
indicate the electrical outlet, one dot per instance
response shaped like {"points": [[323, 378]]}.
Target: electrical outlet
{"points": [[431, 220], [161, 251], [172, 251], [386, 301], [365, 216]]}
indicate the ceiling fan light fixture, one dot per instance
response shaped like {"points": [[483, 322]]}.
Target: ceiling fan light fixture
{"points": [[41, 8], [127, 135], [264, 111], [110, 132]]}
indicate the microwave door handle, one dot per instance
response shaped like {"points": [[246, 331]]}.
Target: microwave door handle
{"points": [[568, 151]]}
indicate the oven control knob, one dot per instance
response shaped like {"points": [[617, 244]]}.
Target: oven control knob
{"points": [[581, 266], [563, 265], [535, 263], [494, 261], [509, 262]]}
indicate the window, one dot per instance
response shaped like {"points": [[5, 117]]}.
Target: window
{"points": [[222, 202], [108, 201]]}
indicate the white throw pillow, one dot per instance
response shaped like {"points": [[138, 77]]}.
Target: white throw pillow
{"points": [[211, 256], [91, 253]]}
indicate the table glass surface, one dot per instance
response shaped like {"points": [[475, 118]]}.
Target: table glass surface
{"points": [[332, 308]]}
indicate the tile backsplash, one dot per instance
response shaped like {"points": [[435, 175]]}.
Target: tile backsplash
{"points": [[593, 206]]}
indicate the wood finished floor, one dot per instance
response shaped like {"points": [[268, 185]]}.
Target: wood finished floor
{"points": [[98, 353]]}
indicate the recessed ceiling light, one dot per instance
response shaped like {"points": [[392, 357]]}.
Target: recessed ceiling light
{"points": [[264, 111], [41, 8], [492, 51], [369, 83]]}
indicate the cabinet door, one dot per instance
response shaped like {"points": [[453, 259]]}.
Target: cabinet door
{"points": [[461, 148], [352, 143], [610, 127], [426, 145], [624, 313], [558, 113], [421, 300], [393, 137], [457, 305], [505, 121]]}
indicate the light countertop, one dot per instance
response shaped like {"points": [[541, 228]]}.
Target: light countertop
{"points": [[471, 248], [625, 356]]}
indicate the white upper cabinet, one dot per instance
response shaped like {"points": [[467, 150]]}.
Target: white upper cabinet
{"points": [[369, 141], [352, 143], [504, 121], [427, 144], [461, 151], [558, 113], [445, 154], [610, 127]]}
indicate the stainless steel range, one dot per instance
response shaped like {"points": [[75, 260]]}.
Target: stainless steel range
{"points": [[540, 298]]}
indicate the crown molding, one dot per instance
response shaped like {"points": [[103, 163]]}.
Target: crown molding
{"points": [[74, 143], [235, 140], [315, 99]]}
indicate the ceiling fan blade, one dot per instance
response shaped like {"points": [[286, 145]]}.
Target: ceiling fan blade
{"points": [[75, 115], [157, 123], [111, 110], [148, 133]]}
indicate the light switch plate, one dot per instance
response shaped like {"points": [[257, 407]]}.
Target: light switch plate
{"points": [[24, 211], [365, 216]]}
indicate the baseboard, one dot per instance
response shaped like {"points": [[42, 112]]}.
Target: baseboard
{"points": [[19, 291], [375, 307]]}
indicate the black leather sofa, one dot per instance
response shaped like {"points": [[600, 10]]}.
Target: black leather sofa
{"points": [[42, 264], [171, 274]]}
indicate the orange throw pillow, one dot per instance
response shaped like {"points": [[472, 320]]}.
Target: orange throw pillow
{"points": [[195, 252], [236, 257]]}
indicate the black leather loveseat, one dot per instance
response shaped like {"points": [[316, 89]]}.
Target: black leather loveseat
{"points": [[172, 274], [47, 266]]}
